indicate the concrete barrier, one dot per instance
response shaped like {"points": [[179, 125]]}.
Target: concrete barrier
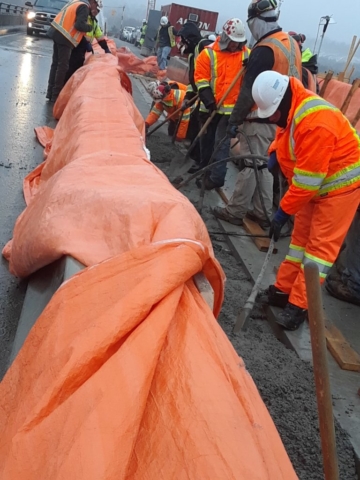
{"points": [[12, 15], [178, 70]]}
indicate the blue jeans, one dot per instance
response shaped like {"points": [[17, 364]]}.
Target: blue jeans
{"points": [[216, 132], [162, 54], [351, 274]]}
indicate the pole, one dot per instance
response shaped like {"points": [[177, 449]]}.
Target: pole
{"points": [[321, 372]]}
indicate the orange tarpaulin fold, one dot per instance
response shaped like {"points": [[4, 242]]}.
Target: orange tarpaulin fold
{"points": [[126, 375]]}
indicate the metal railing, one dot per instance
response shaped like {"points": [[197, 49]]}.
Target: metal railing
{"points": [[9, 9]]}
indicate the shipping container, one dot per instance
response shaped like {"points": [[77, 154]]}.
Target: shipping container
{"points": [[180, 14]]}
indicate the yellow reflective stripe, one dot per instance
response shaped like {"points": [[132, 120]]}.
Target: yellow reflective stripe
{"points": [[344, 178], [226, 109], [295, 253], [202, 84], [177, 95], [186, 116], [189, 88], [310, 105], [290, 56], [213, 64], [156, 111], [323, 265], [308, 180]]}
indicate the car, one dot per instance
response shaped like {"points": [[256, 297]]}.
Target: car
{"points": [[42, 13], [127, 34], [137, 37]]}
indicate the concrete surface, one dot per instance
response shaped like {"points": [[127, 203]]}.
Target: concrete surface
{"points": [[24, 65]]}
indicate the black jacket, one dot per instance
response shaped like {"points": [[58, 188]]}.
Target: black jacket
{"points": [[82, 13]]}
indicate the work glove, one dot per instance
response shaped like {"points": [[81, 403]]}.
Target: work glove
{"points": [[89, 47], [208, 99], [277, 223], [232, 130], [273, 165], [107, 50], [184, 105]]}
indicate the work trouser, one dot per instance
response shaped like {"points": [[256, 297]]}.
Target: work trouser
{"points": [[319, 231], [58, 70], [77, 58], [215, 133], [246, 194], [351, 275], [162, 57]]}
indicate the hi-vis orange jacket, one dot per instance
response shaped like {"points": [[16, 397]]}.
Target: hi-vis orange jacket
{"points": [[64, 22], [217, 68], [318, 151], [170, 104]]}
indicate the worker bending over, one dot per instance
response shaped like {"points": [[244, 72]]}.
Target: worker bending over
{"points": [[77, 58], [318, 151], [216, 67], [273, 50], [169, 100]]}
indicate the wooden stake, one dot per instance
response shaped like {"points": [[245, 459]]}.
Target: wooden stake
{"points": [[321, 372], [356, 118], [328, 77], [354, 87]]}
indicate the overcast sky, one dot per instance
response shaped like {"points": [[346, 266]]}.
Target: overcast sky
{"points": [[300, 15]]}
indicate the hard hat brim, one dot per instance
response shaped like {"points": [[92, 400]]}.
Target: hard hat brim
{"points": [[268, 112], [237, 39]]}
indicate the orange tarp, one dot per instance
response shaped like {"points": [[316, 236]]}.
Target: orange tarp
{"points": [[133, 64], [126, 374], [336, 93]]}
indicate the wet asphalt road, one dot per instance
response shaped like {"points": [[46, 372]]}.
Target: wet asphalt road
{"points": [[24, 68]]}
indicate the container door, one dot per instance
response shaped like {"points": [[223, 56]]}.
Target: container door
{"points": [[152, 29]]}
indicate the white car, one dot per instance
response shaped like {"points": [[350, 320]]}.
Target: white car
{"points": [[127, 34]]}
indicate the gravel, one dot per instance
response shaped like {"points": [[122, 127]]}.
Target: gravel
{"points": [[285, 382]]}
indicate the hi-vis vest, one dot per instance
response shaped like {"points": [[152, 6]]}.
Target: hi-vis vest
{"points": [[171, 36], [192, 58], [96, 32], [224, 66], [311, 171], [64, 22], [287, 58]]}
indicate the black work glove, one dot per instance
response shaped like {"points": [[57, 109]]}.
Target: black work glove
{"points": [[184, 105], [277, 223], [189, 95], [107, 50], [89, 47], [232, 130], [207, 97]]}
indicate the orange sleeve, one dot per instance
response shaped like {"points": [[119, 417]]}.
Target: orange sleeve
{"points": [[314, 147], [202, 75], [155, 113]]}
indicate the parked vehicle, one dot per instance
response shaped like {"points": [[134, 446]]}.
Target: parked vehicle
{"points": [[128, 34], [41, 15], [137, 37]]}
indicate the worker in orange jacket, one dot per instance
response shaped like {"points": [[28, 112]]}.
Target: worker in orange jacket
{"points": [[216, 67], [318, 151], [169, 100], [273, 50]]}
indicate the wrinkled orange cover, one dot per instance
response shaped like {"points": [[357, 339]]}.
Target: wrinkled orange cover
{"points": [[126, 374], [336, 93]]}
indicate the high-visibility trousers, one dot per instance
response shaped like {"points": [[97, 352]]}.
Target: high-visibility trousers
{"points": [[319, 231]]}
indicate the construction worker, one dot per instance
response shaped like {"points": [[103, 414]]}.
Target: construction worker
{"points": [[67, 30], [169, 100], [318, 151], [309, 64], [273, 50], [344, 282], [143, 32], [165, 41], [192, 44], [216, 67], [77, 57]]}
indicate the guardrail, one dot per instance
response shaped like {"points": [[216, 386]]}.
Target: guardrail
{"points": [[9, 9]]}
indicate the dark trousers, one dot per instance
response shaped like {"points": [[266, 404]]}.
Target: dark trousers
{"points": [[77, 59], [58, 70], [215, 133]]}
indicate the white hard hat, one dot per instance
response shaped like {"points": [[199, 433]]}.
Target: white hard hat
{"points": [[268, 90], [235, 30], [164, 21], [212, 38], [152, 86], [144, 21]]}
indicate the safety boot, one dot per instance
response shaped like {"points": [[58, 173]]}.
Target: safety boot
{"points": [[339, 290], [292, 317], [223, 214], [276, 297]]}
